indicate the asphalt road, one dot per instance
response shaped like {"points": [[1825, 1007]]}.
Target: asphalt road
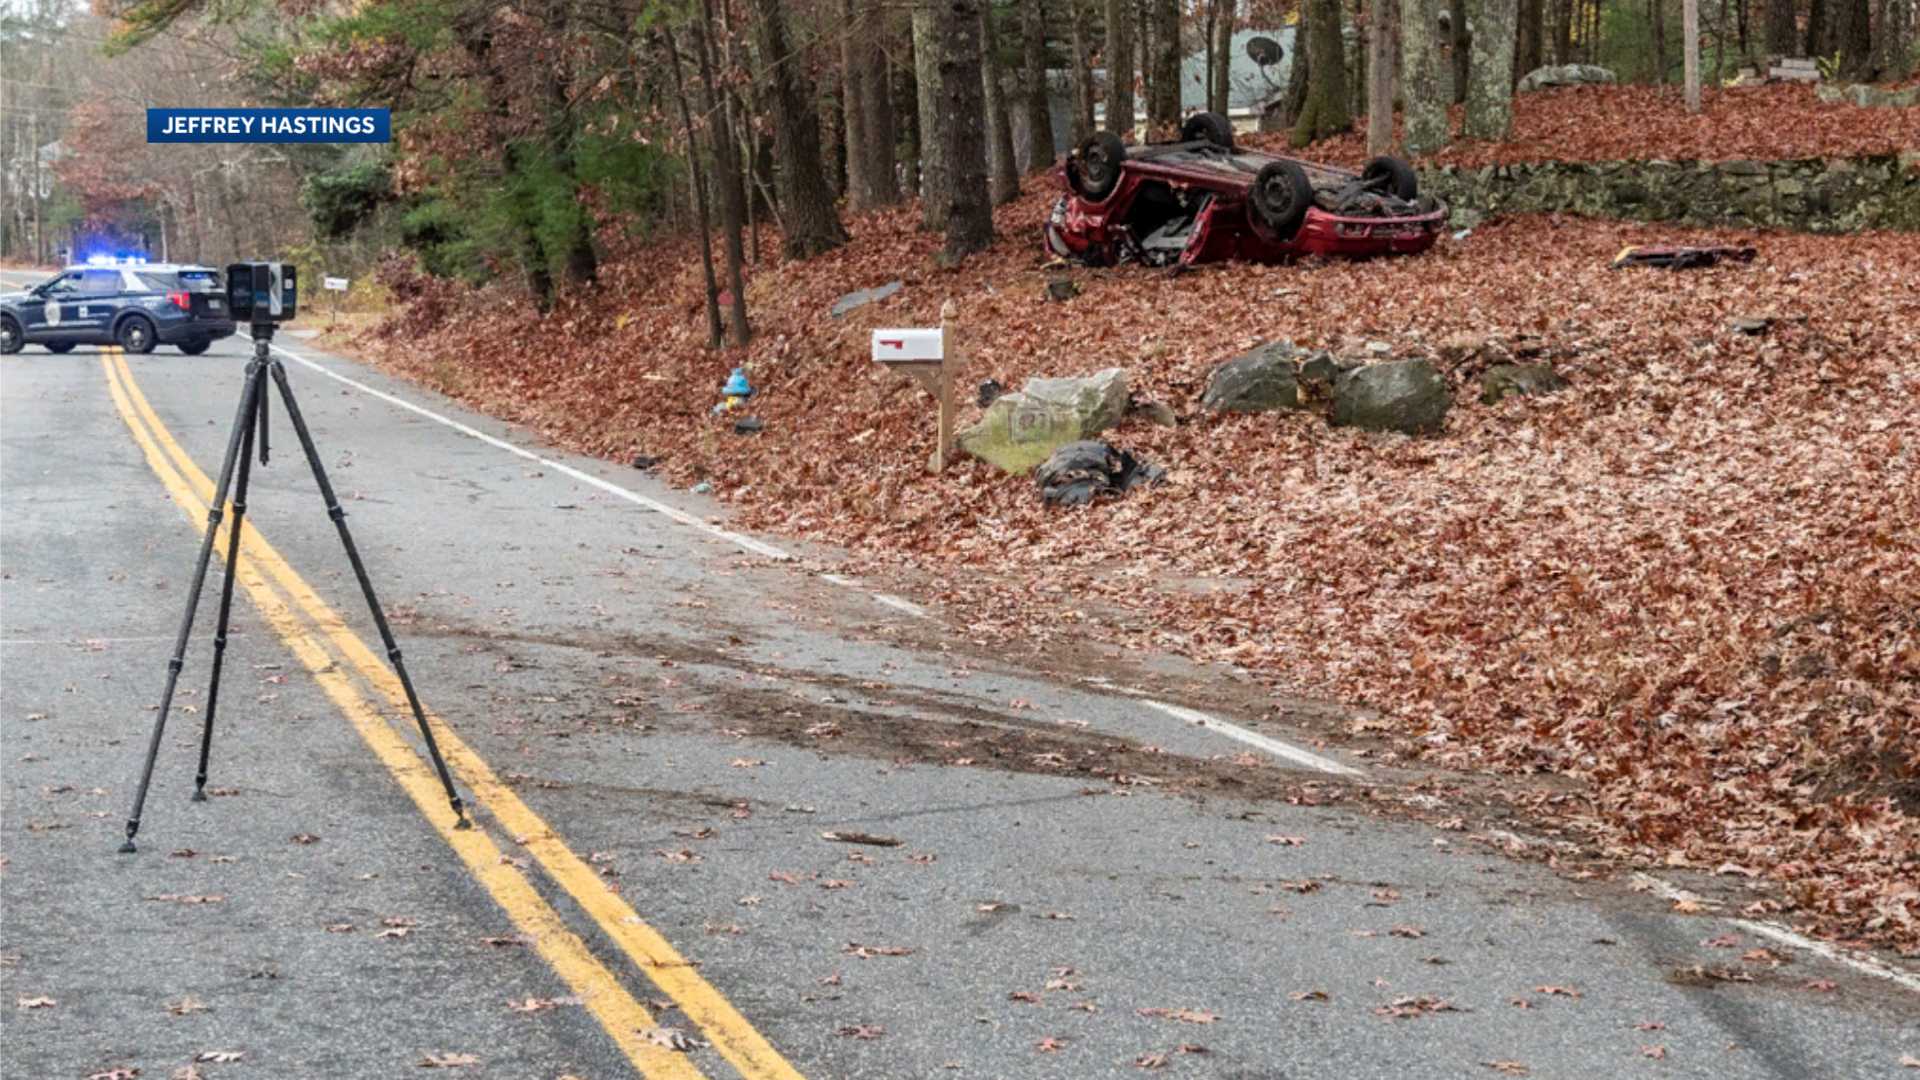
{"points": [[654, 726]]}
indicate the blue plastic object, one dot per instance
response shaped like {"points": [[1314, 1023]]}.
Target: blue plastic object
{"points": [[737, 385]]}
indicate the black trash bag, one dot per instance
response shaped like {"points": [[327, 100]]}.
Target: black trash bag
{"points": [[1080, 473]]}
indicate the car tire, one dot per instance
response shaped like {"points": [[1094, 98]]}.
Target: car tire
{"points": [[1280, 196], [59, 346], [194, 348], [11, 340], [135, 334], [1208, 127], [1395, 175], [1095, 166]]}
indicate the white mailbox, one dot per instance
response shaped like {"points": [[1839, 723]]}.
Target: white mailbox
{"points": [[911, 346]]}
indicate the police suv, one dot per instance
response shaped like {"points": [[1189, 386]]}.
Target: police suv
{"points": [[130, 303]]}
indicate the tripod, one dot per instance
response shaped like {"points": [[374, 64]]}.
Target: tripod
{"points": [[249, 421]]}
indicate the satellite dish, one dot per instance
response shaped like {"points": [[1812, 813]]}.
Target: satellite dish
{"points": [[1264, 51]]}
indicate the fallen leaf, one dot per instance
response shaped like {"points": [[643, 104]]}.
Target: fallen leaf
{"points": [[1050, 1044], [186, 1006], [673, 1039], [862, 1031], [1510, 1068], [219, 1057], [305, 838], [866, 951], [34, 1002], [861, 838], [449, 1061]]}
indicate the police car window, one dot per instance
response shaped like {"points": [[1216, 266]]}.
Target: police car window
{"points": [[200, 280], [156, 280], [65, 283], [100, 283]]}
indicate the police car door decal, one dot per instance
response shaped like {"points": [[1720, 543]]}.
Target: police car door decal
{"points": [[53, 313]]}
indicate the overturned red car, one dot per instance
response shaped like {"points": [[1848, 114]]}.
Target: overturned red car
{"points": [[1201, 200]]}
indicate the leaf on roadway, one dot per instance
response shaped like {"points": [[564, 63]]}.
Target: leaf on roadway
{"points": [[1562, 991], [395, 932], [305, 838], [864, 952], [1287, 841], [862, 1031], [746, 763], [683, 855], [861, 838], [179, 898], [1309, 995], [673, 1039], [121, 1073], [537, 1004], [1407, 932], [449, 1061], [25, 1002], [1050, 1045], [340, 928], [187, 1006], [1510, 1068], [1655, 1052], [504, 942], [1908, 1061], [1153, 1060], [1724, 941], [1186, 1016], [219, 1057], [1407, 1008], [1027, 996]]}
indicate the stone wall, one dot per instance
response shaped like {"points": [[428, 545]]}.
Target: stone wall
{"points": [[1808, 195]]}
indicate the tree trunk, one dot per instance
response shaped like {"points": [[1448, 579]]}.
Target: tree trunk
{"points": [[1119, 58], [935, 192], [1002, 175], [1528, 52], [1033, 50], [1163, 105], [1690, 42], [1853, 38], [1422, 81], [1220, 78], [1783, 34], [1817, 30], [726, 168], [1082, 72], [852, 108], [1896, 26], [1563, 31], [1284, 111], [876, 121], [699, 186], [963, 128], [808, 217], [1490, 94], [1325, 110], [1460, 49], [1380, 68]]}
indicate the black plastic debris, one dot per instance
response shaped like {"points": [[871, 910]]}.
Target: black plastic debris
{"points": [[1680, 256], [748, 425], [1080, 473], [644, 462], [989, 391]]}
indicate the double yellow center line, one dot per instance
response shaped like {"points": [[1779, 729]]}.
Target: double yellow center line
{"points": [[321, 641]]}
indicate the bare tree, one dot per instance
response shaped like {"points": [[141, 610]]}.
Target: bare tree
{"points": [[1002, 174], [1220, 78], [964, 129], [1421, 81], [1529, 49], [853, 92], [1380, 69], [1119, 58], [1163, 101], [935, 193], [1490, 93], [699, 192], [1325, 110], [1082, 73], [809, 220], [1033, 51], [726, 167]]}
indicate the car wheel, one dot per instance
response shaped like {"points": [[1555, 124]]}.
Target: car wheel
{"points": [[11, 339], [1281, 194], [1096, 166], [1208, 127], [59, 346], [1393, 175], [135, 334], [194, 348]]}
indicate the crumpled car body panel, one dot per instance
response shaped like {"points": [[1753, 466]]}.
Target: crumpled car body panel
{"points": [[1205, 191]]}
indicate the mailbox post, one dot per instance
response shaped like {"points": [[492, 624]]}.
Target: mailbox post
{"points": [[925, 356]]}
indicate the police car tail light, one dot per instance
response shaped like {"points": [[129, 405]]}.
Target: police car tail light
{"points": [[181, 300]]}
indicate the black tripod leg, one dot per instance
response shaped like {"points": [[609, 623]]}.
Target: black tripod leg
{"points": [[339, 517], [243, 418], [226, 598]]}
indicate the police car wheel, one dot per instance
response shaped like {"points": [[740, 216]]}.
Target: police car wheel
{"points": [[194, 348], [10, 339], [135, 335]]}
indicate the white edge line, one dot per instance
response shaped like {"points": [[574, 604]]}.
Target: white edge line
{"points": [[747, 543], [1255, 739], [1865, 965]]}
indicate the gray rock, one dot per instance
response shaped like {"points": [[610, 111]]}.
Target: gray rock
{"points": [[1404, 395], [1319, 374], [1502, 380], [1020, 430], [864, 297], [1564, 75], [1060, 290], [1258, 381], [1869, 97]]}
